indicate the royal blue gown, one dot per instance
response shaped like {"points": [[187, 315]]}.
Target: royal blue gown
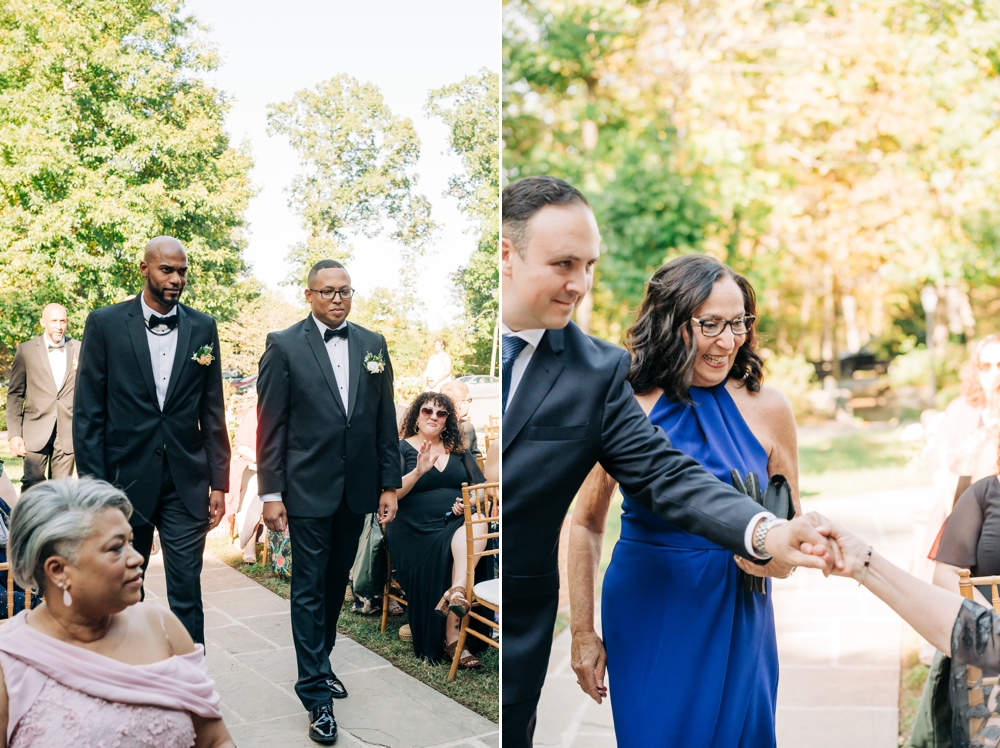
{"points": [[692, 656]]}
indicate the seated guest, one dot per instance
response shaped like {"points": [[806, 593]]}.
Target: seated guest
{"points": [[427, 538], [92, 665], [459, 394], [959, 628]]}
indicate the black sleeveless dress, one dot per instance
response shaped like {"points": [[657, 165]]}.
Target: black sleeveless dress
{"points": [[420, 544]]}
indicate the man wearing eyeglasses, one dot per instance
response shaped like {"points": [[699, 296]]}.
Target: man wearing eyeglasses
{"points": [[567, 406], [327, 455]]}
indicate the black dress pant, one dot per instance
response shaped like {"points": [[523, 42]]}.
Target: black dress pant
{"points": [[50, 462], [182, 543], [527, 624], [324, 549]]}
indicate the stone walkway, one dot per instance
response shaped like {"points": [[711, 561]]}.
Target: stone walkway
{"points": [[250, 656], [839, 646]]}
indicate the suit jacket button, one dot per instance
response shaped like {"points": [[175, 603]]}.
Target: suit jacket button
{"points": [[159, 452], [344, 458]]}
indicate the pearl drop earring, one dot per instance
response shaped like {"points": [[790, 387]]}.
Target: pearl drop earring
{"points": [[67, 598]]}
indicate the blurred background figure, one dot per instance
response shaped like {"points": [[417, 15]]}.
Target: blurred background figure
{"points": [[93, 665], [40, 400], [438, 369], [243, 505], [964, 449], [459, 394]]}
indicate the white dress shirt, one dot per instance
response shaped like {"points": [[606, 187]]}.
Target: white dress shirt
{"points": [[533, 339], [337, 350], [57, 361], [161, 351]]}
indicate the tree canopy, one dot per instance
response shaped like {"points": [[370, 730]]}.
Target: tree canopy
{"points": [[108, 138], [470, 108], [841, 155]]}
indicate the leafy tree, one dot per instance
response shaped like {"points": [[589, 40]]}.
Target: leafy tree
{"points": [[108, 137], [358, 175], [471, 111]]}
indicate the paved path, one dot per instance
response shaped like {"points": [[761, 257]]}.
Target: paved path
{"points": [[250, 656], [839, 646]]}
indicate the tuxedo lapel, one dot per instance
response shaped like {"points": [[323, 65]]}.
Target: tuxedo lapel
{"points": [[354, 367], [49, 383], [315, 342], [181, 354], [140, 346], [72, 352], [542, 372]]}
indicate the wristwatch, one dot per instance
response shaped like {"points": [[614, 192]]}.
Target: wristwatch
{"points": [[761, 533]]}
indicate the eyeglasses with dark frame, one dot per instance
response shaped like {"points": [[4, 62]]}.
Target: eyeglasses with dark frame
{"points": [[430, 412], [712, 328], [327, 294]]}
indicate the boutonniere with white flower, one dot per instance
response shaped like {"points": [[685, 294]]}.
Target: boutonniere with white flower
{"points": [[204, 355], [374, 363]]}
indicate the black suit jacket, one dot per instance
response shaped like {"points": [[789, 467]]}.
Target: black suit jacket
{"points": [[313, 448], [34, 404], [119, 430], [571, 410]]}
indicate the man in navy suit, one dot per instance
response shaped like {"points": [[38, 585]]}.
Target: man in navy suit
{"points": [[566, 407]]}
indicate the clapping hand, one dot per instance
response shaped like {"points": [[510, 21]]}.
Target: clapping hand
{"points": [[425, 460]]}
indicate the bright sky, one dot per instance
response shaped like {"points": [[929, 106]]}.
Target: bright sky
{"points": [[405, 47]]}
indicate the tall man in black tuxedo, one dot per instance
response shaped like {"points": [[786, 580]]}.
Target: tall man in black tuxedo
{"points": [[40, 400], [566, 406], [149, 417], [327, 454]]}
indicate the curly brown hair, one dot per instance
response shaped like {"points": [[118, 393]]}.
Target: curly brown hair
{"points": [[451, 435], [660, 356], [972, 390]]}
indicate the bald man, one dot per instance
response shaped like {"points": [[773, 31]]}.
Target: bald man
{"points": [[40, 400], [150, 419]]}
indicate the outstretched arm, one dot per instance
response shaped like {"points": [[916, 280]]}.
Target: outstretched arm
{"points": [[586, 540]]}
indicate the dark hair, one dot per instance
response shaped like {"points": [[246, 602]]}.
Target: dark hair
{"points": [[525, 197], [322, 265], [451, 435], [660, 355]]}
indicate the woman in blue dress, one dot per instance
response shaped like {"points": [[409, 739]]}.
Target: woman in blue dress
{"points": [[691, 657]]}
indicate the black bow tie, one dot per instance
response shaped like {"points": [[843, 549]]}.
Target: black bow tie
{"points": [[340, 332], [57, 346], [168, 322]]}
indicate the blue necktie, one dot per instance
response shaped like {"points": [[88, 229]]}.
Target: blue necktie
{"points": [[512, 347]]}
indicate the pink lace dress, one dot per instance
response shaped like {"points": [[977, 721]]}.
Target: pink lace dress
{"points": [[61, 695], [64, 716]]}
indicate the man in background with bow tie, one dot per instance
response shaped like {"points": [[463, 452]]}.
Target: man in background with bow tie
{"points": [[327, 455], [40, 400], [150, 419]]}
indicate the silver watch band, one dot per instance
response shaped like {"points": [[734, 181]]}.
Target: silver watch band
{"points": [[760, 534]]}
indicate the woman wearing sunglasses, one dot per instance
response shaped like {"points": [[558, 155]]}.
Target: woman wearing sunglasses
{"points": [[427, 538], [696, 664]]}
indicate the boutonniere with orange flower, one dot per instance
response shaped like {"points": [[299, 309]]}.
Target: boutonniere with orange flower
{"points": [[204, 355]]}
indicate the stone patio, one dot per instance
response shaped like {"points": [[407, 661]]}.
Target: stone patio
{"points": [[250, 656]]}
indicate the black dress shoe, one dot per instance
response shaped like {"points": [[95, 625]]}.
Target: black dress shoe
{"points": [[336, 687], [323, 727]]}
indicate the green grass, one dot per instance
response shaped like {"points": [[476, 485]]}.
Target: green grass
{"points": [[858, 462], [13, 467], [912, 676], [479, 689]]}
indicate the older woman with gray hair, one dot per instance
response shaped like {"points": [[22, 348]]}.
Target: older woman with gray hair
{"points": [[93, 665]]}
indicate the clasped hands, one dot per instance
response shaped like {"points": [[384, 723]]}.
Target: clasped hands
{"points": [[810, 540]]}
